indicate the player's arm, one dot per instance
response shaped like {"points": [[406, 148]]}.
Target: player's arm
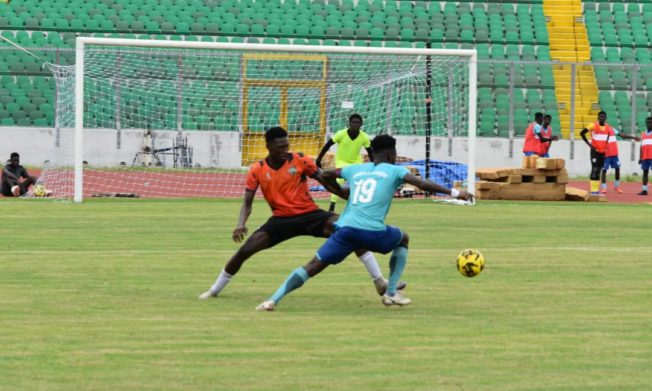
{"points": [[626, 136], [8, 174], [323, 151], [245, 210], [583, 134], [436, 188], [328, 178]]}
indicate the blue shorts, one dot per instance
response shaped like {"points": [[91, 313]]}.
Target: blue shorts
{"points": [[530, 154], [611, 161], [348, 239], [646, 164], [544, 155]]}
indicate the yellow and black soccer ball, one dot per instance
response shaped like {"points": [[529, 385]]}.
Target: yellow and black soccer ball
{"points": [[470, 262], [39, 191]]}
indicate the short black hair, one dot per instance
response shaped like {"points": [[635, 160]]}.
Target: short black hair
{"points": [[275, 132], [547, 116], [13, 155], [538, 115], [355, 115], [602, 112], [382, 142]]}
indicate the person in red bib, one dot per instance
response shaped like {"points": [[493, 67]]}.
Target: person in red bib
{"points": [[283, 179], [611, 158], [545, 136], [535, 136], [600, 132], [646, 153]]}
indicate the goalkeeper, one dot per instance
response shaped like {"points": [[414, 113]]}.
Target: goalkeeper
{"points": [[349, 141]]}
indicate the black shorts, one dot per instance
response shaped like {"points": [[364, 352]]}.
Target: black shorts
{"points": [[597, 158], [281, 229]]}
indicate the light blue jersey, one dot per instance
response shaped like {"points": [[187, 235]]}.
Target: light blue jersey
{"points": [[372, 190]]}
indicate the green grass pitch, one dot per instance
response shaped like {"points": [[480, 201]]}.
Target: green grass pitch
{"points": [[103, 296]]}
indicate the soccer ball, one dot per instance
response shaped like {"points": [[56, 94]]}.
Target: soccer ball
{"points": [[470, 262], [39, 191]]}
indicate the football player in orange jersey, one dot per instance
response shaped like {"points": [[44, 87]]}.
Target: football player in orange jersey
{"points": [[283, 179]]}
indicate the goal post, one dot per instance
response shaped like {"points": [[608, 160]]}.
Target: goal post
{"points": [[204, 91]]}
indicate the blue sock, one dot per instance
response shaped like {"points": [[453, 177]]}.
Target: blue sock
{"points": [[603, 185], [396, 265], [645, 187], [616, 183], [295, 280]]}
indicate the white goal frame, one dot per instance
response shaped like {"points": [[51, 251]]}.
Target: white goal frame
{"points": [[82, 42]]}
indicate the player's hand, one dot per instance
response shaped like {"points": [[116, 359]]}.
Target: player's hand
{"points": [[555, 138], [637, 139], [318, 163], [640, 161], [239, 233]]}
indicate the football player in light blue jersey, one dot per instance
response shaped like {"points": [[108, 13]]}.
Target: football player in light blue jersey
{"points": [[362, 224]]}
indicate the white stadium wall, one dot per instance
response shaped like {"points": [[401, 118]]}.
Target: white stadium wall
{"points": [[223, 148]]}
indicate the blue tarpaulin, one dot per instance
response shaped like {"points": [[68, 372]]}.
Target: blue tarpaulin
{"points": [[443, 173]]}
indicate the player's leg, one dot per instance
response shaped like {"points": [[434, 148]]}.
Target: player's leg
{"points": [[603, 175], [331, 207], [397, 263], [617, 175], [646, 169], [258, 241], [597, 163], [334, 198], [336, 248], [24, 185], [295, 280], [603, 180], [367, 258]]}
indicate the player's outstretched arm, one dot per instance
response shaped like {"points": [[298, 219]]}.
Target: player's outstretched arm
{"points": [[328, 178], [436, 188], [626, 136], [323, 151], [241, 230]]}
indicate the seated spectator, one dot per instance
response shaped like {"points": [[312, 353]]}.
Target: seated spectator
{"points": [[15, 179]]}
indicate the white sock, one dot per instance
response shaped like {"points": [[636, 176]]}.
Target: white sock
{"points": [[369, 261], [221, 282]]}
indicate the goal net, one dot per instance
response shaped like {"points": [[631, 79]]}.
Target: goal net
{"points": [[154, 118]]}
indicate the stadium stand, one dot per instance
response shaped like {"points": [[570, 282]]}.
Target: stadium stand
{"points": [[501, 32]]}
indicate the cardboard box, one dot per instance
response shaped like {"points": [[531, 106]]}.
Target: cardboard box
{"points": [[493, 173], [575, 194]]}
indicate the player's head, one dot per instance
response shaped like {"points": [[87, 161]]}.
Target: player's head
{"points": [[547, 119], [602, 116], [276, 139], [648, 123], [384, 147], [355, 121], [538, 117], [14, 158]]}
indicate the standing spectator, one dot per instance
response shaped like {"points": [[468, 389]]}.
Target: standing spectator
{"points": [[646, 153]]}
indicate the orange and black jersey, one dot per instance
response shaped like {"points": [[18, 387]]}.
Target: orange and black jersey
{"points": [[285, 189]]}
